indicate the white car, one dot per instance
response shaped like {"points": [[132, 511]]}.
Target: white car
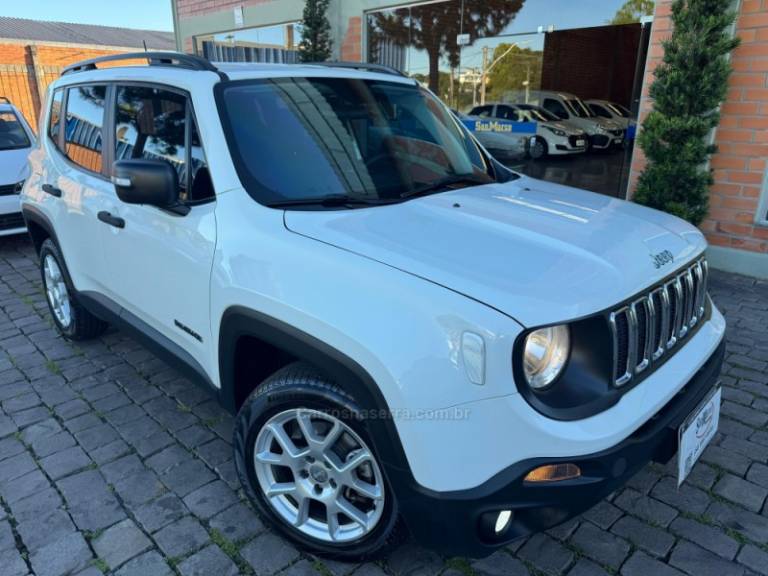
{"points": [[16, 141], [603, 133], [414, 339], [553, 137], [616, 112], [498, 137]]}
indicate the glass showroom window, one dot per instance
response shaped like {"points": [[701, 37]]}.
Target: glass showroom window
{"points": [[276, 44]]}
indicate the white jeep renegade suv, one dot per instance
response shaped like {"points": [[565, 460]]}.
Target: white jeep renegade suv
{"points": [[414, 339]]}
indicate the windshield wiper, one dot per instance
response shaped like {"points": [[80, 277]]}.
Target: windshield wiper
{"points": [[331, 201], [447, 182]]}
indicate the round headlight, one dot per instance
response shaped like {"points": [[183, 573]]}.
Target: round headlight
{"points": [[545, 354]]}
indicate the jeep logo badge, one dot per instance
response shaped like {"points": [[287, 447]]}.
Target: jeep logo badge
{"points": [[662, 258]]}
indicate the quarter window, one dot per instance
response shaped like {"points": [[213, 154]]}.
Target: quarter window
{"points": [[556, 107], [84, 121], [599, 110], [54, 116], [151, 123]]}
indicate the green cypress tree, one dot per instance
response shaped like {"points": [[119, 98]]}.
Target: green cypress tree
{"points": [[690, 84], [315, 45]]}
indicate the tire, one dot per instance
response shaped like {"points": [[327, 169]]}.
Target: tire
{"points": [[72, 320], [299, 389], [539, 149]]}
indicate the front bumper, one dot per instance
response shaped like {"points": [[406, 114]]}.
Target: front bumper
{"points": [[453, 522], [12, 223]]}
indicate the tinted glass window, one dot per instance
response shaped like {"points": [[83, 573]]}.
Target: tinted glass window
{"points": [[304, 138], [484, 111], [84, 121], [150, 124], [507, 113], [556, 107], [200, 187], [599, 110], [54, 117], [12, 133]]}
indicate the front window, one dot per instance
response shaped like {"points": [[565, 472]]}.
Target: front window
{"points": [[536, 114], [619, 110], [305, 139], [12, 133], [578, 108]]}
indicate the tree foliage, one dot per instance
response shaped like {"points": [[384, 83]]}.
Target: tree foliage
{"points": [[690, 84], [316, 43], [632, 11], [509, 73], [434, 28]]}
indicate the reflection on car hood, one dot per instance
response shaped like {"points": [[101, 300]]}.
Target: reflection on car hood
{"points": [[539, 252], [567, 128], [13, 165]]}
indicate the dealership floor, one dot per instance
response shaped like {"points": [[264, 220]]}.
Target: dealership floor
{"points": [[111, 463], [603, 172]]}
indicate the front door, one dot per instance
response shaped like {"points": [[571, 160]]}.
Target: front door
{"points": [[160, 262]]}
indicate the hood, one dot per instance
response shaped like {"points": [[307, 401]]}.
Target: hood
{"points": [[538, 252], [14, 166], [567, 128]]}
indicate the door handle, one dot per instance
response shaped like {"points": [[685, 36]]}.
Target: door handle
{"points": [[52, 190], [107, 218]]}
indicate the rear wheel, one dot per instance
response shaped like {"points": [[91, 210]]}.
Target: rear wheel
{"points": [[538, 149], [306, 461], [72, 320]]}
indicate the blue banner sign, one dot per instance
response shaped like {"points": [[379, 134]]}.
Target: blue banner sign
{"points": [[499, 126]]}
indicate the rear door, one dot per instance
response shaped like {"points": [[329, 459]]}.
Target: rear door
{"points": [[160, 262]]}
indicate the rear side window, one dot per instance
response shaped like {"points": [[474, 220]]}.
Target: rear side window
{"points": [[54, 116], [151, 123], [84, 122], [599, 110], [507, 113], [556, 107]]}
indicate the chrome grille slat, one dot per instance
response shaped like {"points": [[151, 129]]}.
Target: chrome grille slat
{"points": [[645, 330]]}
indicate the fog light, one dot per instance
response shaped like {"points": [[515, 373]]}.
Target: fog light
{"points": [[502, 521], [553, 473]]}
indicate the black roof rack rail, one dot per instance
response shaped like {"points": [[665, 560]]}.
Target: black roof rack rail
{"points": [[4, 99], [371, 67], [172, 59]]}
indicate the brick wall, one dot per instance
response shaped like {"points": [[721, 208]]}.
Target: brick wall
{"points": [[352, 45], [26, 71], [742, 138]]}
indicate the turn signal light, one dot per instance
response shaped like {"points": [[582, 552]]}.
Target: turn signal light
{"points": [[553, 473]]}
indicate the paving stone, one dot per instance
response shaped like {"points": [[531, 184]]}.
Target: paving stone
{"points": [[604, 514], [96, 436], [122, 468], [159, 513], [29, 484], [66, 555], [120, 543], [31, 416], [83, 423], [749, 495], [48, 526], [305, 568], [19, 403], [210, 499], [152, 444], [210, 560], [268, 554], [758, 474], [497, 564], [215, 452], [71, 409], [698, 562], [745, 415], [168, 458], [181, 537], [40, 431], [731, 461], [601, 546], [133, 431], [585, 567], [48, 445], [36, 506], [139, 488], [640, 564], [546, 554], [149, 563], [12, 563], [751, 525], [110, 452], [6, 536], [187, 477], [645, 507], [562, 531], [237, 523], [686, 498], [708, 537], [91, 504], [65, 462], [10, 447], [653, 540], [754, 559], [16, 466], [194, 436], [751, 450]]}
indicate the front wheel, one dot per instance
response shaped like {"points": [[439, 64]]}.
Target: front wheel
{"points": [[538, 149], [304, 456]]}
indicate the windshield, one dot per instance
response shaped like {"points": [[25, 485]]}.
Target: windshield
{"points": [[579, 109], [12, 133], [538, 114], [619, 110], [311, 138]]}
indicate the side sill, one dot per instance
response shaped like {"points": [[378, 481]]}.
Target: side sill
{"points": [[157, 343]]}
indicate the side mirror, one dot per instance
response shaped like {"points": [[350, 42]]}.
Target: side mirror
{"points": [[152, 182]]}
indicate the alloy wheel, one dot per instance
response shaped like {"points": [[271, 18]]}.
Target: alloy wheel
{"points": [[56, 291], [319, 476]]}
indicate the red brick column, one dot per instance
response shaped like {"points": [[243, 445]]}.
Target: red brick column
{"points": [[352, 45]]}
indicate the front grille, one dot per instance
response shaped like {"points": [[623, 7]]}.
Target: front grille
{"points": [[9, 189], [618, 132], [573, 139], [11, 221], [649, 327]]}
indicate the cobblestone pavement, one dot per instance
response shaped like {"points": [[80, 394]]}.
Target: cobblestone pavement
{"points": [[112, 463]]}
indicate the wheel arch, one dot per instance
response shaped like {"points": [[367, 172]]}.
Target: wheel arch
{"points": [[239, 323], [39, 226]]}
